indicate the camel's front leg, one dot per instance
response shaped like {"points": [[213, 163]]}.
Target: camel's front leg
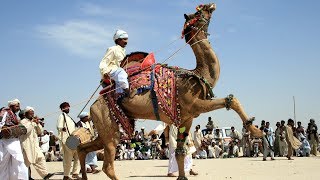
{"points": [[229, 102], [234, 104], [181, 153]]}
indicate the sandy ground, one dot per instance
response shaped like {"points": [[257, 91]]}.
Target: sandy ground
{"points": [[301, 168]]}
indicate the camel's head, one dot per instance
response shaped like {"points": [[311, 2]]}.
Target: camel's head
{"points": [[198, 22]]}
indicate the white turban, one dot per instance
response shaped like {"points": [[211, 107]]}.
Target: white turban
{"points": [[120, 34], [13, 102], [83, 114], [28, 108]]}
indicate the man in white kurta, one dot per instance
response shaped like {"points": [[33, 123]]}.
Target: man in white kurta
{"points": [[44, 142], [197, 138], [110, 63], [12, 165], [30, 144], [66, 126]]}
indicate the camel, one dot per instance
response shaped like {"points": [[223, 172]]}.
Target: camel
{"points": [[193, 99]]}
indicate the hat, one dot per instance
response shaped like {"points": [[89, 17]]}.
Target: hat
{"points": [[142, 127], [120, 34], [28, 108], [64, 104], [83, 115], [51, 131], [13, 102]]}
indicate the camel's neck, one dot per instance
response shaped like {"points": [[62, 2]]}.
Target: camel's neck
{"points": [[208, 65]]}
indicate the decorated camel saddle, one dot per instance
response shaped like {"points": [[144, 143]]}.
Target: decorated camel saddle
{"points": [[144, 74]]}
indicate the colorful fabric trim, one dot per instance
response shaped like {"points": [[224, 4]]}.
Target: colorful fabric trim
{"points": [[117, 114], [167, 93]]}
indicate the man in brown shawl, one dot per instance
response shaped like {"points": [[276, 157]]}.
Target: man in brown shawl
{"points": [[293, 142]]}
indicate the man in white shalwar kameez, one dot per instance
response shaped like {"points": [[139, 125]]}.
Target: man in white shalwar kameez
{"points": [[173, 165], [198, 137], [66, 126], [12, 165], [30, 144], [91, 158]]}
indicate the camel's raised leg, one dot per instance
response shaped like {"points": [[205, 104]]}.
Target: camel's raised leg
{"points": [[83, 150], [229, 102]]}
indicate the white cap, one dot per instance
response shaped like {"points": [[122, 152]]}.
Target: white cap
{"points": [[83, 114], [28, 108], [142, 127], [120, 34], [13, 102]]}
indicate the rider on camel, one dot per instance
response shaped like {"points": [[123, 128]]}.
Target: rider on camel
{"points": [[110, 63]]}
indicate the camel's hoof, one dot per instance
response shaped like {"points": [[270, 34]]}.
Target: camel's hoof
{"points": [[182, 178]]}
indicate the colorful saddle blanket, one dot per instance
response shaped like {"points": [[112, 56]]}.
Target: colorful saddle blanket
{"points": [[143, 76]]}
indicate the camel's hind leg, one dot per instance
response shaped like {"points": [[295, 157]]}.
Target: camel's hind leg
{"points": [[84, 149], [108, 163]]}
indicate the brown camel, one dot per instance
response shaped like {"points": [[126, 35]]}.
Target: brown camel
{"points": [[193, 99]]}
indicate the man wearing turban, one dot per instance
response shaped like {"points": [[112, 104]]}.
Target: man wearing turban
{"points": [[12, 163], [110, 63], [66, 126], [30, 144]]}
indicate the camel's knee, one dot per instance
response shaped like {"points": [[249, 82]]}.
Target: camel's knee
{"points": [[232, 103]]}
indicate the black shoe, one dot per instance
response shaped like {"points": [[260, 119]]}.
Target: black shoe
{"points": [[48, 176]]}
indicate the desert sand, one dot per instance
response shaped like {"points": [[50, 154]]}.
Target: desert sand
{"points": [[301, 168]]}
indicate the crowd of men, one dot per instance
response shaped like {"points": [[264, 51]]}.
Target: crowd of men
{"points": [[23, 143], [286, 140]]}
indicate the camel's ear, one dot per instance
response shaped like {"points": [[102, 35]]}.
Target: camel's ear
{"points": [[186, 17]]}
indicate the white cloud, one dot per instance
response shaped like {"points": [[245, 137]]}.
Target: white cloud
{"points": [[94, 10], [79, 37]]}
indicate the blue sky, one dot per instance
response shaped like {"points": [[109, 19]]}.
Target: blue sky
{"points": [[268, 50]]}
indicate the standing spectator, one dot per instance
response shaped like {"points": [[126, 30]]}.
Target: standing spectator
{"points": [[246, 142], [198, 137], [267, 143], [293, 142], [30, 144], [52, 141], [44, 141], [91, 158], [313, 136], [66, 126], [300, 130], [263, 124], [12, 164], [277, 140], [143, 135], [235, 136], [283, 145]]}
